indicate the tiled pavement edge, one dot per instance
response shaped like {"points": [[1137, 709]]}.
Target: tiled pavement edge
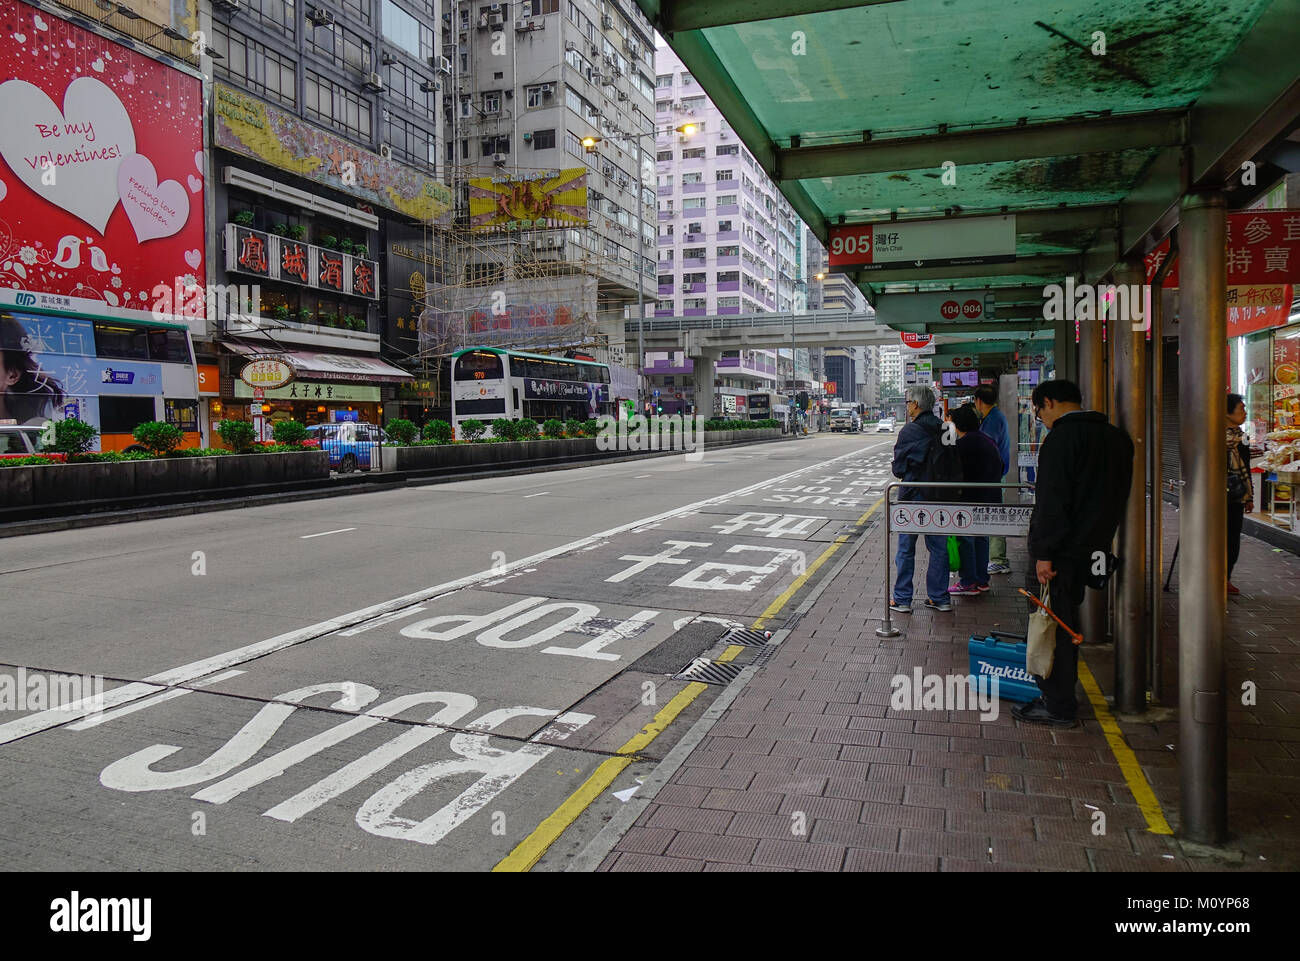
{"points": [[810, 769]]}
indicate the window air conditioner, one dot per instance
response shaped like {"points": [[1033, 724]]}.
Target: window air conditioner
{"points": [[594, 50], [622, 95], [495, 19], [320, 17], [428, 86], [548, 90], [499, 159], [229, 6], [570, 45], [606, 21], [386, 151], [387, 59], [374, 82], [521, 26]]}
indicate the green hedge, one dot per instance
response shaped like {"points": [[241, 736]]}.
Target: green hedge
{"points": [[741, 424]]}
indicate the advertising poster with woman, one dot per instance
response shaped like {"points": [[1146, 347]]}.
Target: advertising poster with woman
{"points": [[101, 170]]}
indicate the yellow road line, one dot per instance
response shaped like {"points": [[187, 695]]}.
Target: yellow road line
{"points": [[775, 607], [1127, 760], [530, 850]]}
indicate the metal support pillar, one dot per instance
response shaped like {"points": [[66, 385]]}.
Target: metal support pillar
{"points": [[1129, 335], [1092, 383], [1203, 528]]}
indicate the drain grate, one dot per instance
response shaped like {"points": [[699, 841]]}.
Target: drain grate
{"points": [[746, 637], [709, 672], [763, 656]]}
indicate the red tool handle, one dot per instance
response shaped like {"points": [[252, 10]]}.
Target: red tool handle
{"points": [[1074, 636]]}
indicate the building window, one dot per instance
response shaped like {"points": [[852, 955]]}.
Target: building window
{"points": [[404, 86], [663, 106], [726, 150], [693, 103], [726, 200], [695, 303], [537, 8], [336, 105], [533, 95], [693, 203], [728, 301], [573, 144], [338, 45], [724, 226], [664, 156], [492, 101], [692, 178], [687, 79], [273, 15], [543, 139], [693, 153], [406, 32], [253, 66], [664, 80], [410, 142], [726, 175], [694, 253], [493, 145], [697, 278], [728, 276]]}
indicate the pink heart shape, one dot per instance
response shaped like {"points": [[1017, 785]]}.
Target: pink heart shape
{"points": [[155, 210], [193, 258], [130, 77], [195, 183]]}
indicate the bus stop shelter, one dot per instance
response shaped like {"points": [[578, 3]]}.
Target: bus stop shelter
{"points": [[1109, 131]]}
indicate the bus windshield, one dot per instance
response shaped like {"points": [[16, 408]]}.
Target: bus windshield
{"points": [[479, 365]]}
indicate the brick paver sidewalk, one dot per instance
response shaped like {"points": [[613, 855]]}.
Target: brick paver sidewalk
{"points": [[810, 768]]}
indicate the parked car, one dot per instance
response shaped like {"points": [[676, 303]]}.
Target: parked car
{"points": [[846, 419], [348, 444], [885, 426], [22, 440]]}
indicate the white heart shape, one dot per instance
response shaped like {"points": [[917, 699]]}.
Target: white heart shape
{"points": [[154, 209], [20, 37], [198, 160], [71, 44], [195, 183], [98, 65], [40, 24], [129, 78], [88, 106], [193, 258]]}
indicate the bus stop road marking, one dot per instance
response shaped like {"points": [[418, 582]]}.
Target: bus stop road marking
{"points": [[45, 720], [539, 494], [341, 530]]}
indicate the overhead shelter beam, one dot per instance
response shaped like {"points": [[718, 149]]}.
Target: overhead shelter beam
{"points": [[1024, 142], [1048, 265], [679, 16]]}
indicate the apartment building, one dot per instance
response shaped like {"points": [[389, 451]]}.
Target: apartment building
{"points": [[530, 80]]}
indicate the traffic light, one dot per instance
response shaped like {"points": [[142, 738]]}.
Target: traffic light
{"points": [[803, 399]]}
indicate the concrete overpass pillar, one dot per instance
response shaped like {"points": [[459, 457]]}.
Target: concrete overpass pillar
{"points": [[706, 374], [1132, 629]]}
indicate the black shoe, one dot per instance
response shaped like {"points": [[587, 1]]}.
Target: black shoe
{"points": [[1036, 712]]}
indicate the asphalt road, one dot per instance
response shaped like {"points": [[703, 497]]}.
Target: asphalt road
{"points": [[412, 679]]}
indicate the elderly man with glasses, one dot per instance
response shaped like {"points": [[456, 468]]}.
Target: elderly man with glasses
{"points": [[910, 457]]}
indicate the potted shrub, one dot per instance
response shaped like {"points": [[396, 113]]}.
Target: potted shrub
{"points": [[305, 316], [359, 250], [472, 430], [437, 431], [330, 242], [345, 245], [238, 435], [573, 428], [297, 232], [328, 320], [289, 432], [280, 230], [353, 322], [503, 428], [159, 437], [553, 428], [526, 429], [401, 431], [280, 312], [244, 218]]}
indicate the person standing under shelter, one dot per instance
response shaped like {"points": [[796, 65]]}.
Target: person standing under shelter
{"points": [[913, 461], [993, 424], [1085, 465], [980, 464]]}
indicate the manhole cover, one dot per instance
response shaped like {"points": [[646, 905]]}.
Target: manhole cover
{"points": [[709, 672]]}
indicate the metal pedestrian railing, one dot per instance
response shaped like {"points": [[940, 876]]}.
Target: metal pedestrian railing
{"points": [[948, 518]]}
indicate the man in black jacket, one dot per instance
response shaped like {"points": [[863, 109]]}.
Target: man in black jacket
{"points": [[910, 453], [1085, 465]]}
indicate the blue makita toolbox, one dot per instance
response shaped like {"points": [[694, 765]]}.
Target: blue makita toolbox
{"points": [[1002, 656]]}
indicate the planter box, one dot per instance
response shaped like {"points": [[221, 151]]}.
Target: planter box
{"points": [[123, 480]]}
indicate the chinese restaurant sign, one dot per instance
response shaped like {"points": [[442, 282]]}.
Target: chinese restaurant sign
{"points": [[555, 199], [101, 185], [1263, 247], [247, 126], [266, 255]]}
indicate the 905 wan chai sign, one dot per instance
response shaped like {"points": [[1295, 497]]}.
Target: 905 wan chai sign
{"points": [[924, 243]]}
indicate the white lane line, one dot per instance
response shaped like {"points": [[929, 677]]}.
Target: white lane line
{"points": [[541, 494], [380, 622], [188, 673], [341, 530], [96, 719], [642, 476]]}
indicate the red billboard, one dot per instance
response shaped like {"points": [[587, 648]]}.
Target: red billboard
{"points": [[101, 179]]}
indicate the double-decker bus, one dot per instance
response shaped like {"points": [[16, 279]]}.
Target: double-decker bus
{"points": [[489, 382]]}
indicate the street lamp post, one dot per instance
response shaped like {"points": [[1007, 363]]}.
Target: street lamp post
{"points": [[589, 143]]}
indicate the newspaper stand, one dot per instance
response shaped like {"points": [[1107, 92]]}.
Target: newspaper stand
{"points": [[945, 518]]}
